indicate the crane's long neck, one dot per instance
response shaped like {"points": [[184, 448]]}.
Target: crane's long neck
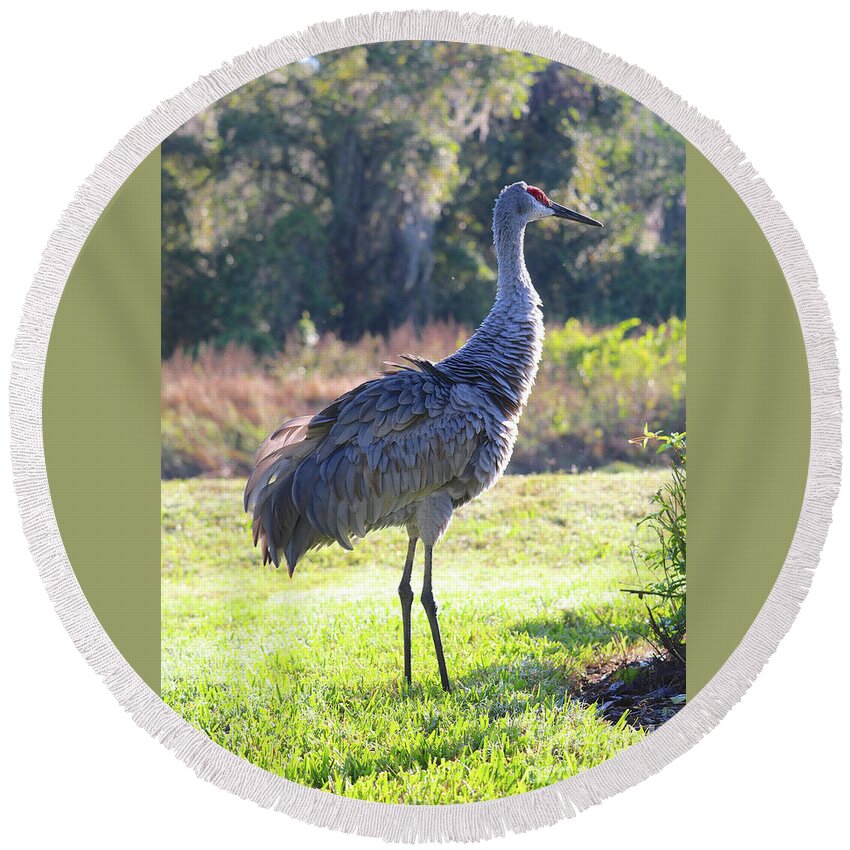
{"points": [[506, 348], [509, 239]]}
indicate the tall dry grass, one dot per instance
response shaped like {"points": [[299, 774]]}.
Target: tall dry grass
{"points": [[595, 390]]}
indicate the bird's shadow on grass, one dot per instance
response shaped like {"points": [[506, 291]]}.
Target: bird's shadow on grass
{"points": [[557, 678], [616, 669], [584, 628]]}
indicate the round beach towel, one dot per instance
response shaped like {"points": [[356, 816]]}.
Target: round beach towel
{"points": [[354, 452]]}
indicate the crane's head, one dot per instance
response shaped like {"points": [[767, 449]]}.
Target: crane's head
{"points": [[526, 203]]}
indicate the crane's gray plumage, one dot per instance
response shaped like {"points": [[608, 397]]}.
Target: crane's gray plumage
{"points": [[366, 461], [410, 446]]}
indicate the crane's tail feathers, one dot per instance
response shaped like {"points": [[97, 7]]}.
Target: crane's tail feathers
{"points": [[287, 443], [302, 539], [278, 526]]}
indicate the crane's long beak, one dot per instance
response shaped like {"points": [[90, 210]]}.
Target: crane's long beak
{"points": [[563, 212]]}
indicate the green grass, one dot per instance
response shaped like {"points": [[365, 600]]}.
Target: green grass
{"points": [[304, 677]]}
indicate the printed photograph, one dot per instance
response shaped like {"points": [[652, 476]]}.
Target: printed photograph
{"points": [[423, 505]]}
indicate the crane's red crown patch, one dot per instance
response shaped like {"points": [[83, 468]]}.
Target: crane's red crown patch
{"points": [[539, 194]]}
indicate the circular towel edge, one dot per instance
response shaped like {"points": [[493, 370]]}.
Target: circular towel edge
{"points": [[401, 822]]}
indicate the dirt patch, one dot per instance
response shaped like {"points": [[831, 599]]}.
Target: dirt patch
{"points": [[649, 691]]}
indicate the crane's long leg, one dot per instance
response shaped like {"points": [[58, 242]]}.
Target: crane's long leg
{"points": [[405, 593], [430, 606]]}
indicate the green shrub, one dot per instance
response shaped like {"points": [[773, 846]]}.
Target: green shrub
{"points": [[665, 564], [598, 385]]}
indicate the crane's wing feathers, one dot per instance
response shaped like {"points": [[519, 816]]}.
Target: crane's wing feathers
{"points": [[372, 452]]}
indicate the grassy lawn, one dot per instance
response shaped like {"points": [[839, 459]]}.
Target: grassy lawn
{"points": [[304, 677]]}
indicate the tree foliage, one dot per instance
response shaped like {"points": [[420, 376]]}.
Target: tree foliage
{"points": [[357, 187]]}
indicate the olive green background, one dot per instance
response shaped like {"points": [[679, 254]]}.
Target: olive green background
{"points": [[100, 416], [748, 419]]}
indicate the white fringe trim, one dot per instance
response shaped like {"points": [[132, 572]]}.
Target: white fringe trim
{"points": [[460, 822]]}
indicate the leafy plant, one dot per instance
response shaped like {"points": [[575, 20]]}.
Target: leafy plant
{"points": [[597, 383], [664, 593]]}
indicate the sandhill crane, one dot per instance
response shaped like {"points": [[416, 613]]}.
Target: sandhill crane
{"points": [[409, 447]]}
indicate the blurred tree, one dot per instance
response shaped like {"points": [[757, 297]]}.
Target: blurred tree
{"points": [[357, 188]]}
